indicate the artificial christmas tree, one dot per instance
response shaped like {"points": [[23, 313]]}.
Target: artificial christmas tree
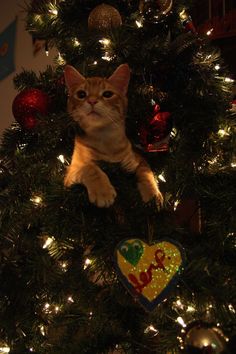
{"points": [[134, 277]]}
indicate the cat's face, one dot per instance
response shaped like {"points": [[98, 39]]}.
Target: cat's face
{"points": [[97, 102]]}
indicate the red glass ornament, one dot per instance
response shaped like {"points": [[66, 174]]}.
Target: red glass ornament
{"points": [[154, 135], [233, 106], [189, 26], [27, 104]]}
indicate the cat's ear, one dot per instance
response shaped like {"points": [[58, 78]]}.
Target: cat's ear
{"points": [[120, 78], [72, 77]]}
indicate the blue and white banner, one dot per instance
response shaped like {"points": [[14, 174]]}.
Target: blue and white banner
{"points": [[7, 50]]}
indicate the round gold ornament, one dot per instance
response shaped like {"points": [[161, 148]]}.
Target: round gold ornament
{"points": [[202, 337], [104, 17]]}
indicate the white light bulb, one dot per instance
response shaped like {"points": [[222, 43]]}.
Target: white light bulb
{"points": [[191, 309], [36, 199], [76, 42], [42, 330], [209, 32], [107, 57], [181, 321], [139, 23], [162, 177], [87, 263], [222, 133], [183, 15], [151, 328], [228, 79], [105, 42], [48, 242], [60, 60], [70, 299], [176, 203], [61, 158], [5, 349]]}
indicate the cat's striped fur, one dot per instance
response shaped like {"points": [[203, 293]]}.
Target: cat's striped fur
{"points": [[99, 105]]}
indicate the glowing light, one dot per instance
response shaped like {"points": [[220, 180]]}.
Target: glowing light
{"points": [[107, 57], [139, 23], [181, 321], [76, 42], [217, 67], [70, 299], [48, 242], [64, 266], [53, 10], [95, 62], [180, 339], [209, 32], [152, 101], [173, 132], [228, 79], [46, 306], [179, 303], [190, 309], [87, 263], [222, 133], [42, 330], [233, 164], [183, 15], [5, 349], [36, 199], [57, 309], [60, 60], [162, 177], [61, 158], [213, 161], [205, 342], [176, 203], [105, 42], [151, 328]]}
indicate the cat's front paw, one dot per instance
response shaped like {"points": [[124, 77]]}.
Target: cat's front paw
{"points": [[149, 192], [102, 196]]}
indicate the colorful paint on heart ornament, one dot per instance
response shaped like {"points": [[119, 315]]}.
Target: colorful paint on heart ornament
{"points": [[149, 271]]}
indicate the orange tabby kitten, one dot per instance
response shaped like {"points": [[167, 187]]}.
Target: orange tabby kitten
{"points": [[99, 105]]}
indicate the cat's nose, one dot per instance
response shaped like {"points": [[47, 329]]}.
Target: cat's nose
{"points": [[92, 101]]}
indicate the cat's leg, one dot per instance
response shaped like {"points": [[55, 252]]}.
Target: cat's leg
{"points": [[100, 190], [147, 184]]}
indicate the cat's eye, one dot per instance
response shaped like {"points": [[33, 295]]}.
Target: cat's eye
{"points": [[81, 94], [107, 94]]}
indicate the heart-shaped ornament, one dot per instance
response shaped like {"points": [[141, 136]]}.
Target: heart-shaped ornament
{"points": [[149, 272]]}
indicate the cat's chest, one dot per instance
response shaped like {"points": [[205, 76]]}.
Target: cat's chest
{"points": [[105, 149]]}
